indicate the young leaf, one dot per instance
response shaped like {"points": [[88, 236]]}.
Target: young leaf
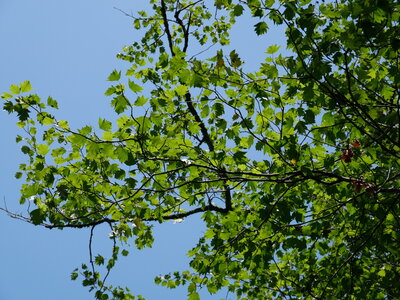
{"points": [[52, 102], [15, 89], [25, 87], [272, 49], [140, 101], [114, 76], [42, 149], [104, 124], [134, 87]]}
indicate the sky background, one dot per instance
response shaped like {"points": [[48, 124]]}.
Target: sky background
{"points": [[67, 50]]}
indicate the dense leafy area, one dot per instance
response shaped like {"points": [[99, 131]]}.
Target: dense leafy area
{"points": [[293, 165]]}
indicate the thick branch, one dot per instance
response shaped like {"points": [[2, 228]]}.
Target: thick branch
{"points": [[203, 129], [209, 207], [184, 29], [166, 24]]}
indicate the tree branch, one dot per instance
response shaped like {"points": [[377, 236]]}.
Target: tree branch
{"points": [[166, 24]]}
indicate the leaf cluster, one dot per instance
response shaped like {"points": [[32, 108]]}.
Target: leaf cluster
{"points": [[293, 167]]}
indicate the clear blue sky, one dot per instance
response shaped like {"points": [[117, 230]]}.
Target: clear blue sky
{"points": [[67, 50]]}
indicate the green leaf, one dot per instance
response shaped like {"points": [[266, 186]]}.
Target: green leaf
{"points": [[140, 101], [238, 10], [6, 96], [74, 275], [25, 149], [382, 273], [181, 90], [309, 116], [328, 119], [37, 216], [134, 87], [272, 49], [130, 161], [63, 124], [15, 89], [114, 76], [104, 124], [235, 59], [99, 260], [218, 108], [52, 102], [212, 289], [48, 121], [42, 149], [108, 136], [120, 104], [110, 91], [25, 87], [261, 28], [205, 111], [194, 296]]}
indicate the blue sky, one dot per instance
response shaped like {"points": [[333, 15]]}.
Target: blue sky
{"points": [[67, 50]]}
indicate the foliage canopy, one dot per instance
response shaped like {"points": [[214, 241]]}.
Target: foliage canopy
{"points": [[293, 166]]}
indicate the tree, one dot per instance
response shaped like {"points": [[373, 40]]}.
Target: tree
{"points": [[293, 166]]}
